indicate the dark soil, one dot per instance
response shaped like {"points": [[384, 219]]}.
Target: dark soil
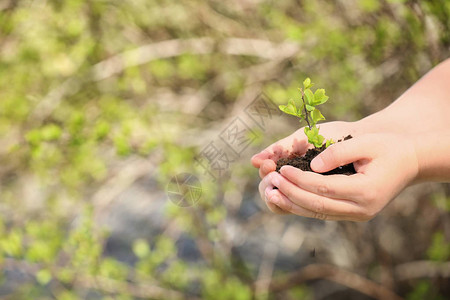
{"points": [[303, 161]]}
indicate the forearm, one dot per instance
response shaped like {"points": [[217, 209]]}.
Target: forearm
{"points": [[424, 107], [422, 114]]}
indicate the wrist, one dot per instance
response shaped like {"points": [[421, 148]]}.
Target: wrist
{"points": [[374, 123], [388, 120], [432, 152]]}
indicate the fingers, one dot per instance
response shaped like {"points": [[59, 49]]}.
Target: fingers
{"points": [[267, 166], [273, 152], [275, 197], [287, 206], [280, 149], [343, 153], [275, 206], [257, 159], [289, 198], [320, 205], [336, 186], [264, 187]]}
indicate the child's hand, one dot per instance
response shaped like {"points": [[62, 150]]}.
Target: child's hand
{"points": [[385, 165], [298, 142]]}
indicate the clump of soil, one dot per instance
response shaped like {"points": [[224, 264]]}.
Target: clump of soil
{"points": [[303, 161]]}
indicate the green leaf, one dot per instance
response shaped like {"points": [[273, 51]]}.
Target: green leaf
{"points": [[314, 137], [309, 97], [307, 130], [311, 133], [291, 103], [329, 143], [319, 97], [316, 116], [310, 108], [307, 83], [290, 108], [319, 141], [298, 103], [301, 112]]}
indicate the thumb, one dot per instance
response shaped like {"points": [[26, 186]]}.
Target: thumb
{"points": [[340, 154]]}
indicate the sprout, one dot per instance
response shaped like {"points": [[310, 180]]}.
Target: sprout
{"points": [[306, 110]]}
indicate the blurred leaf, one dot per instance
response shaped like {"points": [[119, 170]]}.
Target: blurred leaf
{"points": [[39, 251], [439, 249], [33, 137], [162, 69], [102, 128], [141, 248], [111, 268], [369, 5], [67, 295], [51, 132], [122, 145], [11, 244], [307, 84], [43, 276]]}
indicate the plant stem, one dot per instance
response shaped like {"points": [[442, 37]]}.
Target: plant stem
{"points": [[305, 110]]}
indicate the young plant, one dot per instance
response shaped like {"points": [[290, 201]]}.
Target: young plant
{"points": [[305, 109]]}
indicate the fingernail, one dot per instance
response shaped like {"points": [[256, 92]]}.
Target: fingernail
{"points": [[317, 163]]}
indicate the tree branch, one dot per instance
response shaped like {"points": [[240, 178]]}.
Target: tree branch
{"points": [[422, 269], [160, 50], [336, 274]]}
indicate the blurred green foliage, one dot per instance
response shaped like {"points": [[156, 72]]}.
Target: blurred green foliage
{"points": [[65, 132]]}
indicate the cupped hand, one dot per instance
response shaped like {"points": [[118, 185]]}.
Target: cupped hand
{"points": [[385, 165], [296, 142]]}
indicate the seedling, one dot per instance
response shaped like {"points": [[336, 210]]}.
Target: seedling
{"points": [[305, 109]]}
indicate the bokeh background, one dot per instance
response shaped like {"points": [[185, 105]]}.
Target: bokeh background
{"points": [[103, 102]]}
